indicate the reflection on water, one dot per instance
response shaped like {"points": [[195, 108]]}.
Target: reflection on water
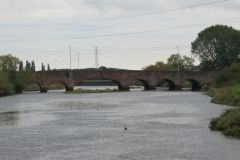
{"points": [[9, 118]]}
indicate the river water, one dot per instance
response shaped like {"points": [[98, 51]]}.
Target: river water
{"points": [[160, 125]]}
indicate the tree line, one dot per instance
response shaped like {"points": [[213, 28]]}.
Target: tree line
{"points": [[14, 75], [175, 62], [216, 48]]}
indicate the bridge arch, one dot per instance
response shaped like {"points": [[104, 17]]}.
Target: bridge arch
{"points": [[170, 84], [32, 86], [144, 83], [195, 85], [67, 86], [118, 83]]}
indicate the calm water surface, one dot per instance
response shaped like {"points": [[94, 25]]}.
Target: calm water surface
{"points": [[161, 126]]}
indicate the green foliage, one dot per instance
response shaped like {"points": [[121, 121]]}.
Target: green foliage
{"points": [[228, 76], [6, 88], [11, 80], [158, 67], [8, 63], [21, 80], [175, 62], [187, 84], [183, 63], [228, 123], [20, 66], [33, 68], [56, 86], [43, 67], [217, 47], [34, 87], [28, 66], [31, 87], [226, 95]]}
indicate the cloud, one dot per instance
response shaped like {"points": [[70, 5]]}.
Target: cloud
{"points": [[38, 27]]}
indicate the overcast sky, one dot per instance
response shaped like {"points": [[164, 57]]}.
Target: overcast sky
{"points": [[42, 30]]}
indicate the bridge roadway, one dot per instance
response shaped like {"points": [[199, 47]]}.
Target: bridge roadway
{"points": [[123, 78]]}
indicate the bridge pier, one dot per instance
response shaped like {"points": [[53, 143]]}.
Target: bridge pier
{"points": [[178, 88], [43, 89], [69, 89]]}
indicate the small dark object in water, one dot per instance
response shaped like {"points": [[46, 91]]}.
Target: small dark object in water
{"points": [[125, 128]]}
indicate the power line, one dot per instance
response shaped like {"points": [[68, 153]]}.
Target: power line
{"points": [[104, 50], [130, 16], [166, 10], [170, 10], [230, 20], [129, 52], [156, 30]]}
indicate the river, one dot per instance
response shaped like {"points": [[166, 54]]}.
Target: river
{"points": [[161, 125]]}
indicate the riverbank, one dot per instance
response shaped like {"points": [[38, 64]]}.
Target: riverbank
{"points": [[226, 91], [226, 95], [228, 122]]}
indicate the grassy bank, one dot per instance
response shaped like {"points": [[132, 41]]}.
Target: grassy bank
{"points": [[35, 87], [81, 91], [228, 123], [13, 82], [226, 91], [226, 95]]}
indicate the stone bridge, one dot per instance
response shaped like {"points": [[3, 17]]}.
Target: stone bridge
{"points": [[123, 78]]}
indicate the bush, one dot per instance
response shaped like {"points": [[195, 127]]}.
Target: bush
{"points": [[228, 123], [6, 87], [228, 76], [226, 95]]}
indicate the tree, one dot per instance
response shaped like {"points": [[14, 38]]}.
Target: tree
{"points": [[28, 66], [181, 63], [33, 68], [228, 76], [6, 87], [159, 66], [8, 63], [217, 47], [12, 81], [176, 61], [43, 67], [48, 67], [20, 68], [188, 63]]}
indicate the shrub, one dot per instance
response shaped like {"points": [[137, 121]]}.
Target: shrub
{"points": [[228, 123], [226, 95], [6, 87]]}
